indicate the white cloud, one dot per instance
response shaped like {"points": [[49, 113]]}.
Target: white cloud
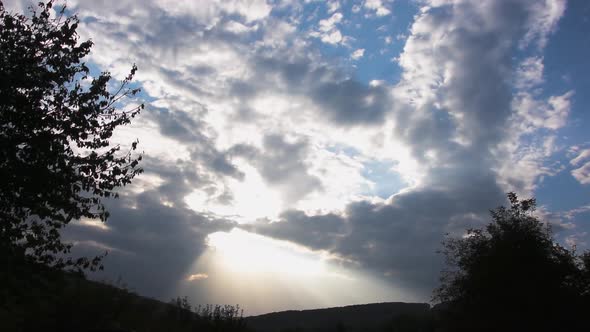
{"points": [[377, 6], [329, 24], [277, 34], [342, 182], [543, 21], [531, 141], [332, 6], [237, 27], [570, 214], [529, 73], [210, 11], [581, 173], [332, 37], [535, 114], [328, 31], [359, 53], [582, 155]]}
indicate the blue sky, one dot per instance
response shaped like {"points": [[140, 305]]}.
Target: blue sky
{"points": [[341, 137], [567, 68]]}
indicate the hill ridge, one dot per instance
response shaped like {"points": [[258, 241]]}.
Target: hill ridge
{"points": [[351, 317]]}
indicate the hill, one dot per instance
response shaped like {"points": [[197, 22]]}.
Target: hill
{"points": [[364, 317], [36, 298]]}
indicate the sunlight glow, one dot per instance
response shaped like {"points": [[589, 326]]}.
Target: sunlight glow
{"points": [[263, 274], [246, 252], [95, 223], [252, 199], [197, 276]]}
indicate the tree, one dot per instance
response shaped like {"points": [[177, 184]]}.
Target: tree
{"points": [[512, 276], [57, 163]]}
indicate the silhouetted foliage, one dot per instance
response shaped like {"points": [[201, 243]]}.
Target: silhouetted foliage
{"points": [[411, 323], [67, 302], [512, 276], [57, 163], [208, 317]]}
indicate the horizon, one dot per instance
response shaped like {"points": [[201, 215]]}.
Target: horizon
{"points": [[313, 154], [337, 307]]}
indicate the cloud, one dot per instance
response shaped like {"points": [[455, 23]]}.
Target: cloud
{"points": [[341, 99], [245, 113], [221, 97], [577, 240], [332, 6], [328, 31], [383, 237], [329, 24], [582, 174], [582, 162], [197, 276], [582, 155], [453, 111], [150, 233], [563, 223], [332, 37], [282, 163], [377, 7], [529, 73], [250, 10], [358, 54], [570, 214], [535, 113], [543, 21], [238, 28]]}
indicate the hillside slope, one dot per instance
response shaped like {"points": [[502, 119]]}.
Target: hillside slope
{"points": [[364, 317]]}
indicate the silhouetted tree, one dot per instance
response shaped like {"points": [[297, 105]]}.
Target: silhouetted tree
{"points": [[56, 159], [512, 276]]}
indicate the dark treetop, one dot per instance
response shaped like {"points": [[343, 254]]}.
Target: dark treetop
{"points": [[512, 276]]}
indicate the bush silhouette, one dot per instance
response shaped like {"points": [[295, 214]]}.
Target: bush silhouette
{"points": [[512, 276]]}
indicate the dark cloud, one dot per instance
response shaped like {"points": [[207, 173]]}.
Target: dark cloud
{"points": [[153, 238], [178, 125], [187, 130], [350, 102], [316, 232], [397, 240], [342, 100]]}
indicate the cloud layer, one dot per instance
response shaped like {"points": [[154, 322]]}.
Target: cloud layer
{"points": [[251, 123], [455, 111]]}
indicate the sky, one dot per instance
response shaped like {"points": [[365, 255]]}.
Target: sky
{"points": [[305, 154]]}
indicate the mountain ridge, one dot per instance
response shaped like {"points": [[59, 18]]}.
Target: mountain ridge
{"points": [[370, 316]]}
